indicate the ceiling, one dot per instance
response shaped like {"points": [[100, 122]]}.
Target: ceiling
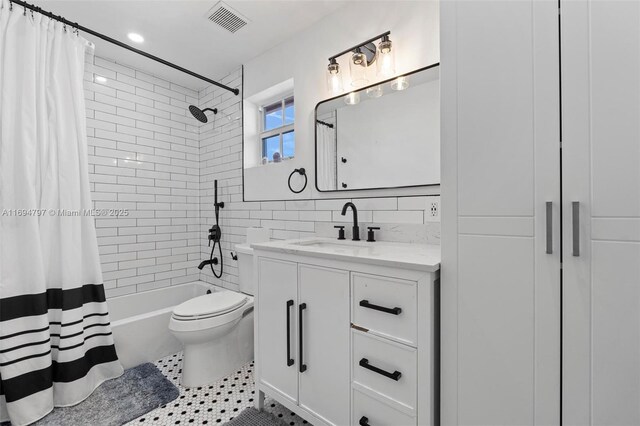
{"points": [[179, 31]]}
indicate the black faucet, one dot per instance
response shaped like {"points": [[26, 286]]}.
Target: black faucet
{"points": [[204, 263], [356, 229]]}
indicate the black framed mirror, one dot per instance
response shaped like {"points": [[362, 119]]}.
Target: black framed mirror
{"points": [[386, 135]]}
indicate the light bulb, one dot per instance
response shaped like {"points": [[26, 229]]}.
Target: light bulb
{"points": [[386, 59], [352, 98], [358, 67], [400, 83], [334, 78]]}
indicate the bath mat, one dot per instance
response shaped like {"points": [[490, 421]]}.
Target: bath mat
{"points": [[252, 417], [115, 402]]}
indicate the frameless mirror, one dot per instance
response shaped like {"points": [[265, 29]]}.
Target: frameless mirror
{"points": [[382, 136]]}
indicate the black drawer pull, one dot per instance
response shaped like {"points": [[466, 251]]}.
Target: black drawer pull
{"points": [[364, 421], [393, 311], [393, 376], [303, 366], [289, 359]]}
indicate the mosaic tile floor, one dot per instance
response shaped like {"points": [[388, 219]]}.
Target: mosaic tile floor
{"points": [[215, 404]]}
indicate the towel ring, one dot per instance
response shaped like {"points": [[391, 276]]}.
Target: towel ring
{"points": [[301, 171]]}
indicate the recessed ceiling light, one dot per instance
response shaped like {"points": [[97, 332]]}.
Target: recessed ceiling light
{"points": [[100, 79], [135, 37]]}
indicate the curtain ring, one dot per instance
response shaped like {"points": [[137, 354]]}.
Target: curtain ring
{"points": [[24, 12], [10, 6]]}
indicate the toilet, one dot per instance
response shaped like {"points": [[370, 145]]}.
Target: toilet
{"points": [[216, 330]]}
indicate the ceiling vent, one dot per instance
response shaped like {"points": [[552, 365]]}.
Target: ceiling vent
{"points": [[226, 17]]}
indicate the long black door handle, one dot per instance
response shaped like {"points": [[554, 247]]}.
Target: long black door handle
{"points": [[393, 311], [393, 376], [303, 366], [289, 359], [575, 213], [364, 421], [549, 231]]}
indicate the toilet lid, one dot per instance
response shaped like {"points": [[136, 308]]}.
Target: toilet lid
{"points": [[209, 305]]}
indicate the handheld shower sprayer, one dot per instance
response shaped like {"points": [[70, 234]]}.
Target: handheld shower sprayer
{"points": [[215, 234]]}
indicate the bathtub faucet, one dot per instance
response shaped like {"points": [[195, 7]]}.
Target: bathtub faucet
{"points": [[208, 262]]}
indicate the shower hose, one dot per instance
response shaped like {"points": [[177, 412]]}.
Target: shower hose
{"points": [[215, 234]]}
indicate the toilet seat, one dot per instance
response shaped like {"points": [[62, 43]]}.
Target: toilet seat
{"points": [[210, 311], [209, 305]]}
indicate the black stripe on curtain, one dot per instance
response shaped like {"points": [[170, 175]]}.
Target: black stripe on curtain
{"points": [[53, 298], [37, 330], [35, 381]]}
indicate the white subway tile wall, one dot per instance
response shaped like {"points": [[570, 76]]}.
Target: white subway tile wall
{"points": [[144, 154], [405, 219], [149, 156]]}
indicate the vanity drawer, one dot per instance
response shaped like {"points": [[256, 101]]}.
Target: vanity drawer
{"points": [[386, 367], [370, 411], [385, 306]]}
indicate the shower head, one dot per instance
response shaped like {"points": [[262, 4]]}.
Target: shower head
{"points": [[199, 113]]}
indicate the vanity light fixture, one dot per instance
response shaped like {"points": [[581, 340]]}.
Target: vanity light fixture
{"points": [[352, 98], [135, 37], [334, 78], [400, 83], [386, 58], [363, 55]]}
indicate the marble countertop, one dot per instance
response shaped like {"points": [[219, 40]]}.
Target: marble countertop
{"points": [[422, 257]]}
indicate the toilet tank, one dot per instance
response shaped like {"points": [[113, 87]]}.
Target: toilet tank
{"points": [[245, 268], [245, 258]]}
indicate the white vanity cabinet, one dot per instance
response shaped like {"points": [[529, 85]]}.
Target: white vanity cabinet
{"points": [[347, 339]]}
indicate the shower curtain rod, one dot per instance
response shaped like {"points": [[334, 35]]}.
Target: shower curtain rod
{"points": [[121, 44]]}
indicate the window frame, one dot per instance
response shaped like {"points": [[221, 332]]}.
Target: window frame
{"points": [[277, 131]]}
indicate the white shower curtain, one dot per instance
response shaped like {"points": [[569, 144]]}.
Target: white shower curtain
{"points": [[56, 344], [326, 157]]}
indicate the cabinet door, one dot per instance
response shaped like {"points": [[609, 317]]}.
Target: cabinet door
{"points": [[278, 295], [324, 351], [601, 172], [500, 294]]}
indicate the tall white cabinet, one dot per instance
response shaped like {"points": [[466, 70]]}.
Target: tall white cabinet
{"points": [[500, 175], [531, 333], [601, 172]]}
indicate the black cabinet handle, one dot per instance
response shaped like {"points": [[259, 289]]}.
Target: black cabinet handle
{"points": [[289, 359], [393, 376], [392, 311], [303, 366], [364, 421]]}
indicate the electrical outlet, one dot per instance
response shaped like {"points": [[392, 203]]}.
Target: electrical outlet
{"points": [[433, 210]]}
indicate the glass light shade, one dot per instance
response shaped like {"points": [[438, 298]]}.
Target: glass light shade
{"points": [[386, 61], [358, 69], [400, 83], [334, 78], [375, 92], [352, 98]]}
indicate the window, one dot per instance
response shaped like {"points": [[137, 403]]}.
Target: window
{"points": [[277, 136]]}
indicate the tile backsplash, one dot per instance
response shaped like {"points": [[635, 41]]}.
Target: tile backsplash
{"points": [[149, 156], [404, 219]]}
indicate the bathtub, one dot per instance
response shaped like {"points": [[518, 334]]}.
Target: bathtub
{"points": [[140, 322]]}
